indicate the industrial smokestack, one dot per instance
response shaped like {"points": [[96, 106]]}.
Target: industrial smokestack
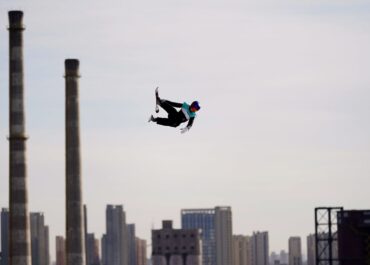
{"points": [[19, 223], [75, 237]]}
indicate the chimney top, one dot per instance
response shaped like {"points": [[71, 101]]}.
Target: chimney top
{"points": [[16, 19], [72, 67]]}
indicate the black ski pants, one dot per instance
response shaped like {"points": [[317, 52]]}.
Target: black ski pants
{"points": [[175, 118]]}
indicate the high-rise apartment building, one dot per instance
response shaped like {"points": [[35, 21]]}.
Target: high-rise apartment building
{"points": [[4, 236], [224, 232], [242, 250], [295, 251], [91, 243], [39, 240], [60, 247], [353, 237], [284, 257], [216, 232], [92, 250], [141, 252], [274, 258], [203, 219], [176, 246], [131, 235], [115, 241], [104, 251], [260, 248], [311, 250]]}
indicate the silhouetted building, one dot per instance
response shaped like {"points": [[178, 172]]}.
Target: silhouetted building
{"points": [[176, 246], [260, 248], [274, 258], [224, 233], [92, 250], [60, 248], [115, 242], [4, 237], [353, 237], [242, 250], [141, 252], [284, 257], [295, 251], [85, 232], [131, 234], [39, 240], [216, 232], [311, 250], [104, 252]]}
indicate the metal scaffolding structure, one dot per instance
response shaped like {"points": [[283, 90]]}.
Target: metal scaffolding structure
{"points": [[326, 239]]}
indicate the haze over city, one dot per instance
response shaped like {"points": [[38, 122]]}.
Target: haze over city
{"points": [[283, 126]]}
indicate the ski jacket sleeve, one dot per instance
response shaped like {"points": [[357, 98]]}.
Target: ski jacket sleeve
{"points": [[174, 104], [190, 122]]}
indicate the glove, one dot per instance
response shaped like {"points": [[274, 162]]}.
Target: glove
{"points": [[184, 130]]}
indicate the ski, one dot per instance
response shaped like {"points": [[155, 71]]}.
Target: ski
{"points": [[156, 100]]}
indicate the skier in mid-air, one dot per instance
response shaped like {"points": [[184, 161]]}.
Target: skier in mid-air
{"points": [[175, 117]]}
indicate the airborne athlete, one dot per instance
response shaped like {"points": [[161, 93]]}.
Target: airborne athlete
{"points": [[175, 117]]}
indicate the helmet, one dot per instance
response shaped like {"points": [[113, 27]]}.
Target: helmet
{"points": [[195, 105]]}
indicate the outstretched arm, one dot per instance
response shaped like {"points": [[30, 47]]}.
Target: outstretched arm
{"points": [[190, 123], [187, 128]]}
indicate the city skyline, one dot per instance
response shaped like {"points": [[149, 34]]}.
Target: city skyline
{"points": [[95, 244], [282, 129], [121, 243]]}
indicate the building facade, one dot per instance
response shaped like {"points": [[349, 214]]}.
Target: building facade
{"points": [[4, 236], [176, 246], [224, 232], [354, 237], [274, 258], [141, 251], [60, 248], [242, 250], [39, 240], [260, 248], [311, 250], [131, 234], [92, 250], [295, 251], [216, 232], [284, 257], [115, 241]]}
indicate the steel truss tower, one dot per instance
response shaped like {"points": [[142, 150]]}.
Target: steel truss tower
{"points": [[326, 236]]}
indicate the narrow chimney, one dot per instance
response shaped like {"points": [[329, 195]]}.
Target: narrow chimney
{"points": [[19, 225], [75, 238]]}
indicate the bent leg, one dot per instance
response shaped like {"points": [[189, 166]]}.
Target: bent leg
{"points": [[171, 121], [167, 107], [165, 122]]}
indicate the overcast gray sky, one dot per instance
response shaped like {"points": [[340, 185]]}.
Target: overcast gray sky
{"points": [[284, 125]]}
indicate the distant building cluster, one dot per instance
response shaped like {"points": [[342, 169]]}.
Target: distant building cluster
{"points": [[205, 238]]}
